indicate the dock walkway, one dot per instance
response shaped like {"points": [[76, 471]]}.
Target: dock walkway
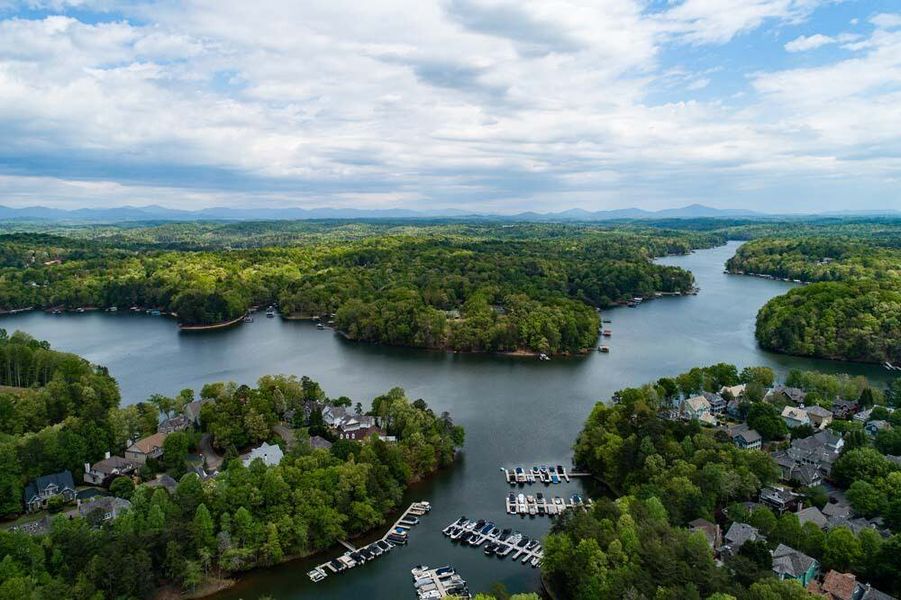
{"points": [[497, 542], [395, 536], [438, 583], [543, 474]]}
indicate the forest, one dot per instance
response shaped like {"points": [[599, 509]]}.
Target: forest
{"points": [[851, 309], [660, 474], [464, 287], [242, 518]]}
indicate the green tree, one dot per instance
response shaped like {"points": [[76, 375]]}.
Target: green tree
{"points": [[122, 487]]}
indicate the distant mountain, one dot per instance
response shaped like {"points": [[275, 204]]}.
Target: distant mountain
{"points": [[124, 214]]}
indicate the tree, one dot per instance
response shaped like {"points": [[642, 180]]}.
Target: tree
{"points": [[164, 404], [866, 499], [763, 376], [175, 452], [764, 418], [866, 399], [842, 549], [122, 487], [202, 529]]}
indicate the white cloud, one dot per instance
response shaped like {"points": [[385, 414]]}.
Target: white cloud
{"points": [[452, 102], [810, 42]]}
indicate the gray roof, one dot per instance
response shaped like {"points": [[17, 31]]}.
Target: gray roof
{"points": [[818, 411], [739, 533], [812, 514], [871, 593], [790, 562], [61, 480], [320, 442], [837, 509], [112, 464], [746, 433]]}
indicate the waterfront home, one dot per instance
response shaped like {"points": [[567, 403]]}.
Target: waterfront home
{"points": [[781, 394], [717, 403], [820, 418], [779, 498], [736, 536], [39, 492], [192, 410], [173, 424], [735, 391], [146, 448], [695, 407], [104, 471], [745, 438], [795, 417], [844, 409], [812, 514], [350, 426], [271, 455], [711, 532], [791, 564]]}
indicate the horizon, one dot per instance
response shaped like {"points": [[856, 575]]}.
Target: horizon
{"points": [[781, 107]]}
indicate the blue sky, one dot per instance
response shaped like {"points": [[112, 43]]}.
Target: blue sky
{"points": [[482, 105]]}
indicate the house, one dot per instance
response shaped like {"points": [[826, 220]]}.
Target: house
{"points": [[745, 438], [875, 426], [871, 593], [104, 471], [717, 403], [835, 586], [820, 418], [173, 424], [796, 470], [146, 448], [710, 531], [695, 407], [792, 564], [352, 426], [735, 391], [163, 481], [736, 536], [837, 510], [318, 442], [778, 498], [332, 415], [733, 408], [192, 410], [110, 507], [844, 409], [812, 514], [809, 460], [271, 455], [863, 415], [39, 492], [795, 417], [781, 394]]}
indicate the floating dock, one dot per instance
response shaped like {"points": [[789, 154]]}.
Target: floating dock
{"points": [[497, 542], [438, 583], [395, 536], [546, 474], [539, 506]]}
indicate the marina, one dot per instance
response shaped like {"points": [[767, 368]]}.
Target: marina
{"points": [[438, 583], [497, 542], [396, 536], [546, 474], [541, 506]]}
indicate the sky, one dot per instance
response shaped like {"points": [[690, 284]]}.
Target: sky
{"points": [[477, 105]]}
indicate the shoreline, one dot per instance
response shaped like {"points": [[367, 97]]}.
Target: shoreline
{"points": [[213, 326]]}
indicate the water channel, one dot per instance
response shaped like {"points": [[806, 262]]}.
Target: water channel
{"points": [[515, 410]]}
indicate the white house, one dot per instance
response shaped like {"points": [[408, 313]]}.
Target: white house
{"points": [[795, 417], [270, 455]]}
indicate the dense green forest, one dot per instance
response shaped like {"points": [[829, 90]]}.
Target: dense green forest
{"points": [[851, 311], [661, 474], [244, 517], [457, 286]]}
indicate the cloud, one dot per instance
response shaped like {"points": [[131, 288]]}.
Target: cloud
{"points": [[470, 103], [803, 43]]}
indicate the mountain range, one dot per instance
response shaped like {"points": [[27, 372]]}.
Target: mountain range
{"points": [[160, 213]]}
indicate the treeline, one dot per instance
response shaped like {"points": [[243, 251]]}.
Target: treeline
{"points": [[461, 287], [662, 474], [851, 312]]}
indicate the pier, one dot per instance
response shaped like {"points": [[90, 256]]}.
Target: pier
{"points": [[547, 474], [540, 506], [395, 536], [497, 542], [438, 583]]}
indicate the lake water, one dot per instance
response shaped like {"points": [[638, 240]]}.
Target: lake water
{"points": [[515, 410]]}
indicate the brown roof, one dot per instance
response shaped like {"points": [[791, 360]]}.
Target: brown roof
{"points": [[149, 443], [839, 586]]}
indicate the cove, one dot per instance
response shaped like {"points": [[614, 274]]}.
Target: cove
{"points": [[516, 410]]}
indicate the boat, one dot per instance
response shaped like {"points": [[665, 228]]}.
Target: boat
{"points": [[543, 356], [604, 349], [270, 313], [248, 319], [891, 367], [320, 326], [607, 333]]}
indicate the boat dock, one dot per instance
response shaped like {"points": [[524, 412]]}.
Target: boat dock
{"points": [[546, 474], [395, 536], [540, 506], [438, 583], [496, 542]]}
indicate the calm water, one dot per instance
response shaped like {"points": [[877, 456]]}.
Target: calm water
{"points": [[515, 410]]}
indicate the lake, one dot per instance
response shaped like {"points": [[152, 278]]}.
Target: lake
{"points": [[515, 410]]}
